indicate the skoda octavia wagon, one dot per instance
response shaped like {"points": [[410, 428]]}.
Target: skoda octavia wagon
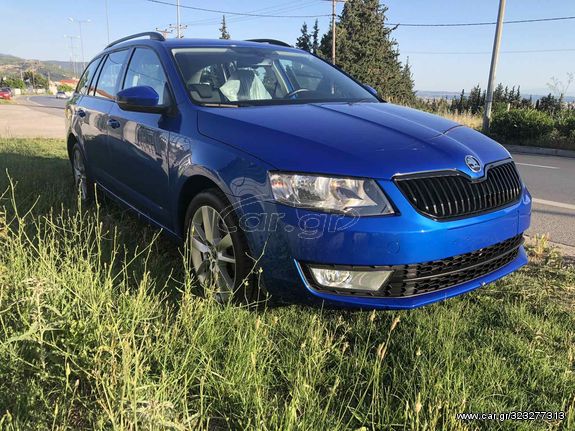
{"points": [[286, 177]]}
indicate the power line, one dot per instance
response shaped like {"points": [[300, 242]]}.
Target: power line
{"points": [[526, 51], [269, 10], [223, 12], [460, 24], [476, 24]]}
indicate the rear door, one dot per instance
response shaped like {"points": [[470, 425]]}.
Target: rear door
{"points": [[139, 142], [84, 120]]}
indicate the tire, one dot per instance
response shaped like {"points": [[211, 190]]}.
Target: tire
{"points": [[83, 184], [218, 252]]}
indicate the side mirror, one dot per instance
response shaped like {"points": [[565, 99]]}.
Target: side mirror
{"points": [[140, 99], [369, 88]]}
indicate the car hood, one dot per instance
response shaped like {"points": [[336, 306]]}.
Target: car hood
{"points": [[376, 140]]}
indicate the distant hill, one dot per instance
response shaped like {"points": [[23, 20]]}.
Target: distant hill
{"points": [[454, 94], [12, 65]]}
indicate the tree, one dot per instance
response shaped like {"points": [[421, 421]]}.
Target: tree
{"points": [[475, 103], [13, 82], [315, 38], [35, 79], [324, 50], [305, 40], [366, 50], [549, 104], [224, 34], [65, 88]]}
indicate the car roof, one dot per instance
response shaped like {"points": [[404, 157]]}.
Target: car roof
{"points": [[199, 43]]}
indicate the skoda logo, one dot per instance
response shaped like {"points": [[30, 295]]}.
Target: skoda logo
{"points": [[473, 163]]}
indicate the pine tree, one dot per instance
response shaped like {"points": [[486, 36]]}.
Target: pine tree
{"points": [[324, 50], [498, 93], [461, 103], [315, 38], [224, 34], [474, 101], [366, 50], [304, 41]]}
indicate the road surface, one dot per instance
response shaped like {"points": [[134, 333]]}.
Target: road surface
{"points": [[33, 117], [550, 179], [46, 104]]}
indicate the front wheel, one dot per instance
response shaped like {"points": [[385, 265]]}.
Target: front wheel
{"points": [[218, 250]]}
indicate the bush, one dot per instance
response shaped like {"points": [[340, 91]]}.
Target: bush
{"points": [[566, 125], [65, 88], [522, 124]]}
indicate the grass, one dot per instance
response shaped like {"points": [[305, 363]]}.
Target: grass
{"points": [[553, 140], [100, 329]]}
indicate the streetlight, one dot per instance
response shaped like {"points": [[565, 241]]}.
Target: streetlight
{"points": [[80, 22]]}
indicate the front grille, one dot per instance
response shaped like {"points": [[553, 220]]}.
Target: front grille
{"points": [[454, 195], [416, 279]]}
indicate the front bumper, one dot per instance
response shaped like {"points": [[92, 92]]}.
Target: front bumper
{"points": [[408, 238]]}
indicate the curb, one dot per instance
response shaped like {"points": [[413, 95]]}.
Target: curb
{"points": [[520, 149]]}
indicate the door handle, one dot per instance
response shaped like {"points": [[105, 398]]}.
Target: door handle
{"points": [[114, 124], [80, 113]]}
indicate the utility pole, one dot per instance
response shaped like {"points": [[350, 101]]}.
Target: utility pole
{"points": [[107, 19], [333, 36], [72, 56], [80, 22], [333, 28], [178, 26], [493, 69], [165, 31], [179, 32]]}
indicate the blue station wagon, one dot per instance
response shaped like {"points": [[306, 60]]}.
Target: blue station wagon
{"points": [[287, 178]]}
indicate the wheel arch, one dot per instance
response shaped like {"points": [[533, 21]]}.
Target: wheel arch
{"points": [[70, 142], [191, 188]]}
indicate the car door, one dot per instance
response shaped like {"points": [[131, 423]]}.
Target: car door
{"points": [[138, 141], [100, 101], [87, 118]]}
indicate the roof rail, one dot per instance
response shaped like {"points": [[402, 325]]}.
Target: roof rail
{"points": [[153, 35], [271, 42]]}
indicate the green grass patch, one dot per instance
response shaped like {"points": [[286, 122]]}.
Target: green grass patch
{"points": [[100, 329]]}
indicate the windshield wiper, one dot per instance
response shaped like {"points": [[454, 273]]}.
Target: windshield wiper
{"points": [[370, 100], [223, 105]]}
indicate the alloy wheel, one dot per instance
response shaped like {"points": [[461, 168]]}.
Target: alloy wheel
{"points": [[212, 252]]}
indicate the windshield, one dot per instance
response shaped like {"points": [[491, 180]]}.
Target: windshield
{"points": [[263, 76]]}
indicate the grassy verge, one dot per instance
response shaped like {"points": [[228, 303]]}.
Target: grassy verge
{"points": [[551, 140], [99, 329]]}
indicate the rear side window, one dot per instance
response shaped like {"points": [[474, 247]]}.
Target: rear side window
{"points": [[89, 73], [110, 74], [146, 69]]}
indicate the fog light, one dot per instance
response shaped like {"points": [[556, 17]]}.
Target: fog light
{"points": [[350, 279]]}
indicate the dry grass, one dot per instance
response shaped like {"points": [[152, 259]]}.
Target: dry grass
{"points": [[469, 120]]}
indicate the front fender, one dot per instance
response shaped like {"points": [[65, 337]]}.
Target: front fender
{"points": [[242, 177]]}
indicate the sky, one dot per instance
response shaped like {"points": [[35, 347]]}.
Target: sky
{"points": [[442, 59]]}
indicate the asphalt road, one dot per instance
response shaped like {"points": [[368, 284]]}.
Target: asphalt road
{"points": [[550, 179], [47, 104]]}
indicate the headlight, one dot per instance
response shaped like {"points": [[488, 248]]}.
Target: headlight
{"points": [[346, 195]]}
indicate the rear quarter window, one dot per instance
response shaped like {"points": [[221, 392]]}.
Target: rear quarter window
{"points": [[87, 76], [110, 75]]}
